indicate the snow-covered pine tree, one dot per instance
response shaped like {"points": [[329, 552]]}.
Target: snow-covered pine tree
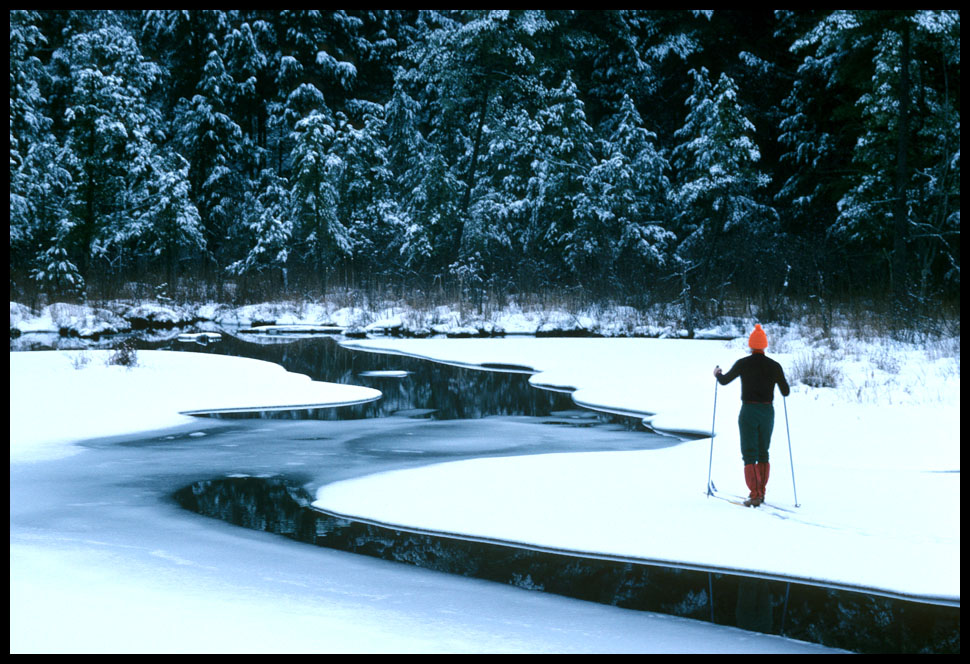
{"points": [[405, 162], [56, 273], [323, 43], [180, 40], [902, 182], [248, 66], [815, 139], [210, 140], [41, 192], [426, 144], [615, 45], [165, 227], [627, 193], [468, 67], [717, 179], [366, 207], [28, 119], [866, 210], [935, 214], [501, 210], [314, 198], [431, 213], [112, 133], [38, 183], [558, 187], [268, 227], [313, 71]]}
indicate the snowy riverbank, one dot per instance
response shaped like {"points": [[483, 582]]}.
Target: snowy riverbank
{"points": [[100, 561], [93, 322], [876, 456], [59, 397], [876, 461], [877, 475]]}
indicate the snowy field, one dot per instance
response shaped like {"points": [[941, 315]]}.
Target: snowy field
{"points": [[98, 564], [49, 409], [876, 466]]}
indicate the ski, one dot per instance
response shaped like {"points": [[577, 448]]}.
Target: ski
{"points": [[739, 500], [731, 500], [767, 509], [777, 507], [780, 512]]}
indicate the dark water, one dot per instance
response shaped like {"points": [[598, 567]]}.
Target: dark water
{"points": [[438, 391], [851, 620]]}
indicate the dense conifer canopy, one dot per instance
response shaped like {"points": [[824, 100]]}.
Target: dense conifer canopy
{"points": [[619, 151]]}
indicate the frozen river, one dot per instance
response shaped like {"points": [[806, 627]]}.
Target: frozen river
{"points": [[105, 534], [104, 560]]}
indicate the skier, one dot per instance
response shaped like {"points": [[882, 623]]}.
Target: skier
{"points": [[759, 375]]}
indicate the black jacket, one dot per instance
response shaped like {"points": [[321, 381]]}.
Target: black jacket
{"points": [[759, 375]]}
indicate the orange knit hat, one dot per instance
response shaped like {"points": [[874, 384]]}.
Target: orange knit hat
{"points": [[758, 339]]}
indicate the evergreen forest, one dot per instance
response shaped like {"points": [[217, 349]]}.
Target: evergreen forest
{"points": [[637, 155]]}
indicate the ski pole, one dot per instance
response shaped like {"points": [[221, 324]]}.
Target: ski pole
{"points": [[710, 461], [784, 400]]}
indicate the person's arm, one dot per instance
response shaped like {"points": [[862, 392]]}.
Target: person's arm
{"points": [[725, 378], [782, 383]]}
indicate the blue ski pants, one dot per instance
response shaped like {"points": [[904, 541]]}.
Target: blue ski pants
{"points": [[755, 422]]}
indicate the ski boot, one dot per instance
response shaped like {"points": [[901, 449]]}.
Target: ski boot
{"points": [[754, 485]]}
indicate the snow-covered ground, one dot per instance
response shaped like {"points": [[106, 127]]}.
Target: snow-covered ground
{"points": [[99, 564], [57, 398], [876, 467], [876, 461], [122, 316]]}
